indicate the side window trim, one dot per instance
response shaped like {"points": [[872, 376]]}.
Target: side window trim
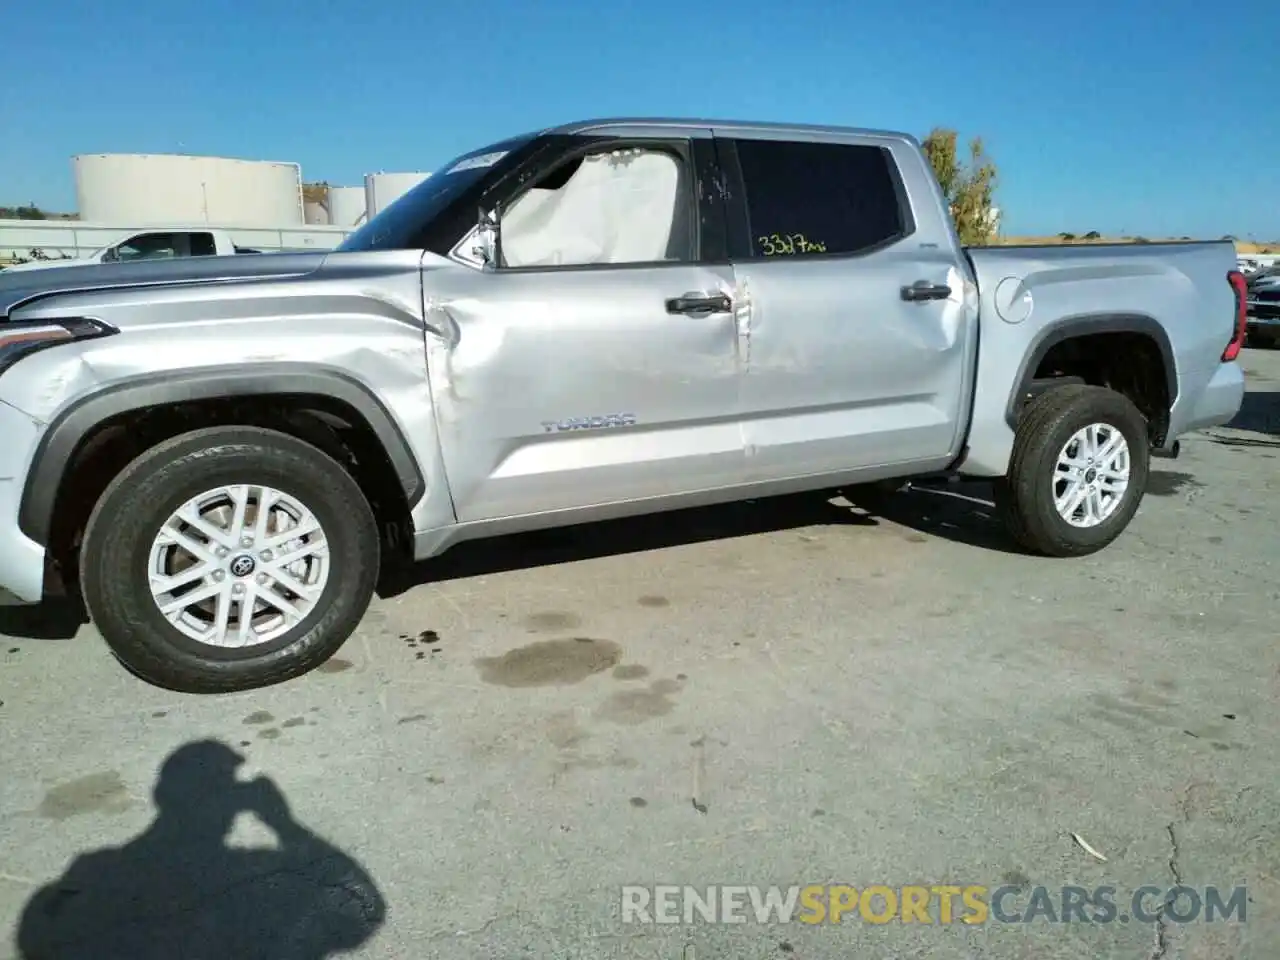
{"points": [[909, 223], [713, 206], [738, 220], [688, 154]]}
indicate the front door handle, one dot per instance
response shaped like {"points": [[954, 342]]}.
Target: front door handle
{"points": [[924, 290], [692, 303]]}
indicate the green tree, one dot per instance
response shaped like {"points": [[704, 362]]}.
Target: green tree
{"points": [[968, 186], [29, 212], [1093, 235], [315, 192]]}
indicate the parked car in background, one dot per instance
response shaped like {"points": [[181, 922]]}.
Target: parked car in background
{"points": [[1263, 307], [164, 243], [609, 318], [1251, 264]]}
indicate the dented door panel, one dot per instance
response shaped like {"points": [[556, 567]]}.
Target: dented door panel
{"points": [[842, 373], [563, 389]]}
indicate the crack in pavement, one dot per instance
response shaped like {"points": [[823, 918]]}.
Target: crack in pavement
{"points": [[1160, 949], [1174, 852]]}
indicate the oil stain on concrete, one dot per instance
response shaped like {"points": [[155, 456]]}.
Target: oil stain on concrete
{"points": [[552, 620], [631, 708], [335, 666], [564, 732], [550, 663], [630, 671], [569, 737], [95, 793], [571, 762]]}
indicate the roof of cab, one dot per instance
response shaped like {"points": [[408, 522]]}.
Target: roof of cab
{"points": [[782, 130]]}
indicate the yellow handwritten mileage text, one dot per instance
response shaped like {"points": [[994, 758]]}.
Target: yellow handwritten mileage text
{"points": [[778, 245], [879, 904]]}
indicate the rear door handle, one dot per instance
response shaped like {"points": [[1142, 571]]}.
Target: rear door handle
{"points": [[692, 303], [924, 290]]}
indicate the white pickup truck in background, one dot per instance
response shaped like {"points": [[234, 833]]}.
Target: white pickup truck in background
{"points": [[163, 243]]}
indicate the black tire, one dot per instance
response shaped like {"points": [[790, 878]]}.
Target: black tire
{"points": [[120, 532], [1024, 498]]}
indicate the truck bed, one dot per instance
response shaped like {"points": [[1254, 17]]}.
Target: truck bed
{"points": [[1177, 294]]}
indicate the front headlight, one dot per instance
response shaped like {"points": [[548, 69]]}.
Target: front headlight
{"points": [[18, 340]]}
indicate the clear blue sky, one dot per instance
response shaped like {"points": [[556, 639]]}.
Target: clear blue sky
{"points": [[1112, 115]]}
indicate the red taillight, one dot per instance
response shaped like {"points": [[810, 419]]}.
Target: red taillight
{"points": [[1241, 288]]}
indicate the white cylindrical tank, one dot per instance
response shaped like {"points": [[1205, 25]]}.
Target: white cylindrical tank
{"points": [[383, 189], [346, 206], [316, 211], [171, 188]]}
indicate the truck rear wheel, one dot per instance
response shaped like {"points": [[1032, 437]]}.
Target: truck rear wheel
{"points": [[229, 558], [1078, 471]]}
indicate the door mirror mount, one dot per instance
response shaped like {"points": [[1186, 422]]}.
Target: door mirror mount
{"points": [[489, 237]]}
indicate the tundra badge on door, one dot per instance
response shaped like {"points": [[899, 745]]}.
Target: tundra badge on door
{"points": [[590, 423]]}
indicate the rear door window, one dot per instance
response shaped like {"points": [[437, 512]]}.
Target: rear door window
{"points": [[814, 199], [202, 245]]}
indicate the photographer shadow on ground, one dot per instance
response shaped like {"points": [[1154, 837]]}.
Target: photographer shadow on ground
{"points": [[178, 889]]}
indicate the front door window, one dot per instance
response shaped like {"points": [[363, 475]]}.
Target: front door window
{"points": [[609, 207], [148, 246]]}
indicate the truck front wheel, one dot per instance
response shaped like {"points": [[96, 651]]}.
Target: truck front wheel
{"points": [[229, 558], [1078, 471]]}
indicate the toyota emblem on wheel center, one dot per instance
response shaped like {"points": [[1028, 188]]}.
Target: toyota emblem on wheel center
{"points": [[242, 565]]}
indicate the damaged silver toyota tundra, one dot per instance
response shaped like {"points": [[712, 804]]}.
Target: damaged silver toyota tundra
{"points": [[218, 455]]}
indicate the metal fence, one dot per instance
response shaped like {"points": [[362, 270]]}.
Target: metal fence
{"points": [[57, 239]]}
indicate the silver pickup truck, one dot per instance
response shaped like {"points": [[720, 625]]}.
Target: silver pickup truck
{"points": [[607, 318]]}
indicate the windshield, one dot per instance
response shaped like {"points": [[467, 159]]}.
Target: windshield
{"points": [[400, 226]]}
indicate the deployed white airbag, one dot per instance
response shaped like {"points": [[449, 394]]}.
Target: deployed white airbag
{"points": [[617, 207]]}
